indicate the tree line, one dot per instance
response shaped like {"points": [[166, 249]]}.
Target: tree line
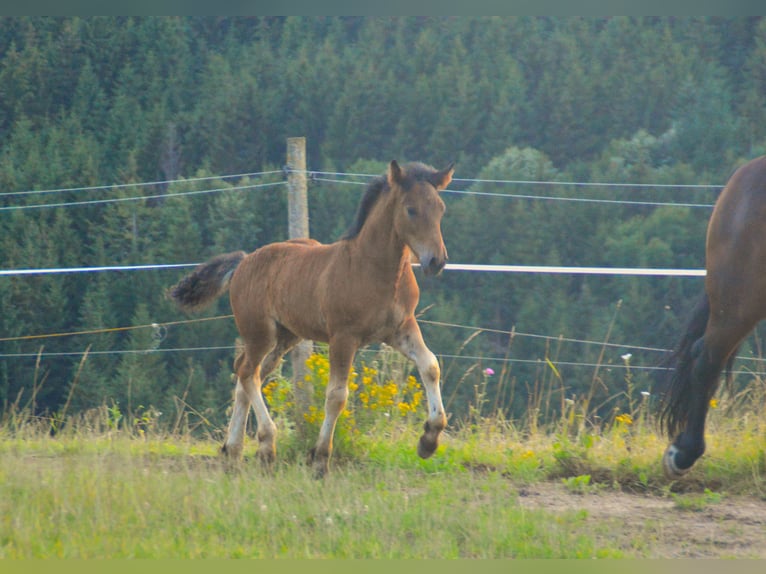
{"points": [[121, 101]]}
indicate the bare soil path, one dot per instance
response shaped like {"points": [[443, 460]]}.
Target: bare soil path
{"points": [[651, 526]]}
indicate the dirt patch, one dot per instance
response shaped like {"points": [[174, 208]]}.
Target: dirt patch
{"points": [[662, 527]]}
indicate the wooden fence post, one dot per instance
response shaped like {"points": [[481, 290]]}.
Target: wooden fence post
{"points": [[298, 227]]}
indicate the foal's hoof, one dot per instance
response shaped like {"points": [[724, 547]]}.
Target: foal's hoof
{"points": [[320, 465], [670, 468], [321, 471], [429, 441], [267, 457], [231, 458], [231, 452], [426, 448]]}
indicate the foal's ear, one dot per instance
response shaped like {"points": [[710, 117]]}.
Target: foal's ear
{"points": [[441, 179], [395, 175]]}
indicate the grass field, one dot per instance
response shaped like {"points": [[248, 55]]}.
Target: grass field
{"points": [[106, 484], [120, 499], [95, 492]]}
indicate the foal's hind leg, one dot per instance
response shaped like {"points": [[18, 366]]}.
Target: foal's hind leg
{"points": [[235, 436], [409, 342], [247, 393], [286, 340]]}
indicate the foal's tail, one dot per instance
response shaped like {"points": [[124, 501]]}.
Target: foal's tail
{"points": [[675, 391], [207, 282]]}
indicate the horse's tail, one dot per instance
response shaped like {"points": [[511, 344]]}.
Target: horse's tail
{"points": [[675, 391], [207, 282]]}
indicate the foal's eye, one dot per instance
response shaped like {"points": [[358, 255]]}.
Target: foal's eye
{"points": [[412, 212]]}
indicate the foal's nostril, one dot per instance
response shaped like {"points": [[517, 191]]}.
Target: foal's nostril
{"points": [[436, 265]]}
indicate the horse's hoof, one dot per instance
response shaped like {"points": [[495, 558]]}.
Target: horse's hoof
{"points": [[670, 468]]}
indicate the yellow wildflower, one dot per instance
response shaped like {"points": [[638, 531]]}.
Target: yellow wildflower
{"points": [[624, 418]]}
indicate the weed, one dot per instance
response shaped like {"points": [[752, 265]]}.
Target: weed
{"points": [[578, 484], [695, 502]]}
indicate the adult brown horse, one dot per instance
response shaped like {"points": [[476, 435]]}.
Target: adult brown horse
{"points": [[733, 303], [356, 291]]}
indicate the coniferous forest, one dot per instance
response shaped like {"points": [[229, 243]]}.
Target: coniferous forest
{"points": [[161, 140]]}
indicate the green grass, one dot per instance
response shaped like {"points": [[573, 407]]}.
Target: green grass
{"points": [[126, 497], [114, 486], [696, 502]]}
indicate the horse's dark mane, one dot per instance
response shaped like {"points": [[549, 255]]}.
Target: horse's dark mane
{"points": [[413, 172]]}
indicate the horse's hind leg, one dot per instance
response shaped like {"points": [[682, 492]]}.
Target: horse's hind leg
{"points": [[689, 444], [710, 354], [409, 342]]}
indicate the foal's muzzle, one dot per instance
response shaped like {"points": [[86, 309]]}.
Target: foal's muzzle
{"points": [[434, 266]]}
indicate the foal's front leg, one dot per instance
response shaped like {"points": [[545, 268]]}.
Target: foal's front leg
{"points": [[341, 356], [410, 343]]}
